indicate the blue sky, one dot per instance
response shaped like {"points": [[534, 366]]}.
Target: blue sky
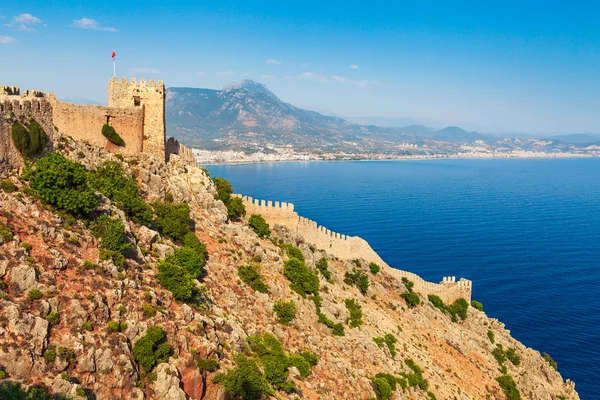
{"points": [[527, 66]]}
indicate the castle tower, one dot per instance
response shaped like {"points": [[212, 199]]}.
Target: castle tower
{"points": [[150, 96]]}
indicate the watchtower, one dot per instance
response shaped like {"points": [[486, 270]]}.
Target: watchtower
{"points": [[151, 97]]}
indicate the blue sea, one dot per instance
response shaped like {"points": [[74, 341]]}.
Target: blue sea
{"points": [[527, 232]]}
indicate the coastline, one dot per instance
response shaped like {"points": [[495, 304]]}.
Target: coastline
{"points": [[411, 158]]}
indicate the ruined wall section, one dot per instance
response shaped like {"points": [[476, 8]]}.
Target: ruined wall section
{"points": [[150, 97], [17, 108], [172, 146], [85, 122], [350, 247]]}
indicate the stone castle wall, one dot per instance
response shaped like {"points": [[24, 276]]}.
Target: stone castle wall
{"points": [[13, 108], [85, 122], [151, 97], [173, 146], [350, 247]]}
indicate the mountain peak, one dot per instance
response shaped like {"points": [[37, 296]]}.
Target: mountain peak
{"points": [[248, 84]]}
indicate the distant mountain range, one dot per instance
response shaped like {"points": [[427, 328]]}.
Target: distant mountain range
{"points": [[247, 116]]}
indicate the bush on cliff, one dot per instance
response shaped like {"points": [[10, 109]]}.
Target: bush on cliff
{"points": [[389, 340], [250, 275], [235, 206], [285, 311], [355, 310], [8, 186], [476, 304], [29, 142], [382, 388], [63, 183], [357, 278], [245, 381], [458, 308], [112, 181], [374, 268], [550, 361], [112, 135], [173, 220], [190, 260], [114, 241], [508, 385], [303, 280], [151, 349], [259, 225], [292, 251], [191, 240], [174, 277], [323, 267], [14, 391]]}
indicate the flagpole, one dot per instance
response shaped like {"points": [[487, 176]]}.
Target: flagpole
{"points": [[115, 67]]}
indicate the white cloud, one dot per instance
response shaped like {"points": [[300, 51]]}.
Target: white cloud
{"points": [[271, 77], [144, 71], [341, 79], [225, 73], [354, 66], [305, 65], [26, 19], [25, 28], [92, 24], [272, 61], [7, 40], [313, 76], [201, 73]]}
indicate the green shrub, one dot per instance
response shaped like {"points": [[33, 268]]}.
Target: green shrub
{"points": [[411, 298], [53, 318], [245, 381], [323, 267], [513, 357], [116, 326], [476, 304], [550, 361], [250, 275], [274, 360], [14, 391], [191, 240], [499, 354], [310, 357], [437, 302], [491, 336], [235, 206], [151, 349], [173, 220], [509, 387], [355, 310], [293, 252], [357, 278], [286, 311], [148, 311], [374, 268], [391, 379], [49, 355], [114, 241], [79, 391], [389, 340], [6, 234], [207, 365], [415, 379], [303, 280], [87, 326], [29, 143], [382, 388], [460, 308], [189, 259], [112, 136], [175, 278], [338, 329], [2, 374], [8, 186], [64, 184], [259, 225], [408, 284], [35, 294], [296, 360], [112, 181]]}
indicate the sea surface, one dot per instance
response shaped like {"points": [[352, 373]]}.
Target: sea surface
{"points": [[526, 231]]}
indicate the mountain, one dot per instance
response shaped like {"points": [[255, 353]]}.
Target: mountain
{"points": [[247, 115], [578, 138]]}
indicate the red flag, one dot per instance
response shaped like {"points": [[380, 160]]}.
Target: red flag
{"points": [[114, 54]]}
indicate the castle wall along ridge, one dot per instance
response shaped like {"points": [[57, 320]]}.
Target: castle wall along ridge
{"points": [[136, 110], [350, 247]]}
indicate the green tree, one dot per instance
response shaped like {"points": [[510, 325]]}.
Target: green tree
{"points": [[382, 388], [259, 225], [63, 183], [175, 278], [355, 310], [191, 240], [151, 349], [374, 268], [224, 189], [189, 259], [250, 275], [173, 220], [245, 381], [508, 385], [236, 208], [286, 311], [303, 280], [357, 278], [323, 267]]}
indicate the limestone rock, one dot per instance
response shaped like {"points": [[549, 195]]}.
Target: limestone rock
{"points": [[167, 385], [24, 276]]}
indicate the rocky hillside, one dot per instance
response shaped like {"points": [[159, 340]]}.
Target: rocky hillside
{"points": [[109, 296]]}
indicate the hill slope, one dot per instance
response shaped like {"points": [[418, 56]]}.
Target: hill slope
{"points": [[119, 316]]}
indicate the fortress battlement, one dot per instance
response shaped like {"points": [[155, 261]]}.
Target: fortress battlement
{"points": [[350, 247]]}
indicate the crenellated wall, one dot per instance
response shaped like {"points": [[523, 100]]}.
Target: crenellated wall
{"points": [[350, 247], [16, 108], [173, 146]]}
